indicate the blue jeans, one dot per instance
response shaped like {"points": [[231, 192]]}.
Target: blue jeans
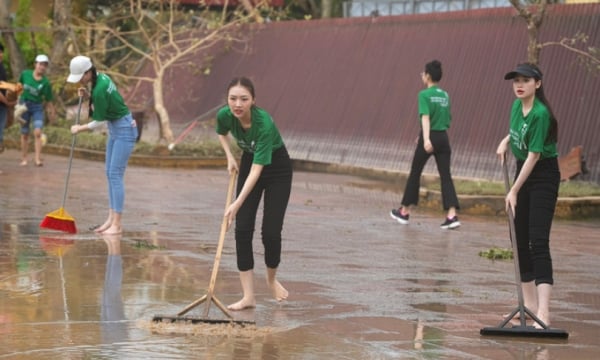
{"points": [[122, 134], [35, 112], [3, 114]]}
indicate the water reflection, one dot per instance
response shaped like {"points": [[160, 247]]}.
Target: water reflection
{"points": [[112, 311], [266, 349], [59, 247]]}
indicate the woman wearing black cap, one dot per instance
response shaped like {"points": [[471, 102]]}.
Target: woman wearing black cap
{"points": [[532, 197]]}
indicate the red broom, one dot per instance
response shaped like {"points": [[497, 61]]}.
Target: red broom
{"points": [[60, 219]]}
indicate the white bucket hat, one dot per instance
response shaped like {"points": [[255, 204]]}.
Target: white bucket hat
{"points": [[42, 58], [79, 65]]}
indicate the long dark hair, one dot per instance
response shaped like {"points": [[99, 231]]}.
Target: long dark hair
{"points": [[539, 93], [553, 130], [94, 79]]}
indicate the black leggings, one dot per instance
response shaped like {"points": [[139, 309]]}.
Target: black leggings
{"points": [[275, 182], [441, 153], [536, 202]]}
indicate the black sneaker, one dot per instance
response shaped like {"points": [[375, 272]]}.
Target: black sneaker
{"points": [[451, 223], [397, 215]]}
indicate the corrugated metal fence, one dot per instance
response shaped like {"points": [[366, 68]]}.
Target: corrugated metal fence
{"points": [[344, 90]]}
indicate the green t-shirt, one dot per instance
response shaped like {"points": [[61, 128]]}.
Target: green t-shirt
{"points": [[261, 139], [108, 103], [34, 90], [435, 102], [529, 133]]}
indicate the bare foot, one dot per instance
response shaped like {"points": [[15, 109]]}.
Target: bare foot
{"points": [[545, 317], [112, 230], [278, 291], [23, 163], [517, 316], [103, 227], [242, 304]]}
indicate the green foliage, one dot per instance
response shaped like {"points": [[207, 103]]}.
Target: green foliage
{"points": [[34, 42], [496, 253]]}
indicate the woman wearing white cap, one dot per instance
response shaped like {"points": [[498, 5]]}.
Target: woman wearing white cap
{"points": [[37, 92], [107, 106]]}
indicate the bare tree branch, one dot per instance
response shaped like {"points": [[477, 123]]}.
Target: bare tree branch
{"points": [[157, 33], [568, 43]]}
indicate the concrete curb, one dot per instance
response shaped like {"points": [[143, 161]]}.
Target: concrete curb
{"points": [[566, 208]]}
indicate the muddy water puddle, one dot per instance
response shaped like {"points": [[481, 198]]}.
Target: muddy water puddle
{"points": [[88, 296]]}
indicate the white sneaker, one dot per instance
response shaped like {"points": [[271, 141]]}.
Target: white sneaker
{"points": [[450, 223]]}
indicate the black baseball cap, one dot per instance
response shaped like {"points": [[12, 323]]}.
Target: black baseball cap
{"points": [[526, 70]]}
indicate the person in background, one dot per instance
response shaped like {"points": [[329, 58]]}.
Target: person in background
{"points": [[532, 138], [265, 172], [435, 117], [107, 107], [4, 102], [37, 94]]}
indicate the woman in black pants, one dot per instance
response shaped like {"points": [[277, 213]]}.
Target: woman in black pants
{"points": [[435, 117], [265, 171], [532, 198]]}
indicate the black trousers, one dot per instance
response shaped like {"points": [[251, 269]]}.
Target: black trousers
{"points": [[442, 153], [275, 183], [534, 212]]}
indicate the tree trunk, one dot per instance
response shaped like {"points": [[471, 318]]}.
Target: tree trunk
{"points": [[61, 19], [15, 58], [533, 47], [326, 9], [159, 106], [534, 17]]}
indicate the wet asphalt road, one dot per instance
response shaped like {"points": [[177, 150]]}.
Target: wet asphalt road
{"points": [[361, 285]]}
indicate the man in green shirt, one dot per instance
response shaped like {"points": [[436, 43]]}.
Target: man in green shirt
{"points": [[37, 93]]}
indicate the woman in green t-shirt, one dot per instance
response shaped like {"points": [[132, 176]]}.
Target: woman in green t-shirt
{"points": [[107, 107], [435, 118], [265, 172], [532, 197]]}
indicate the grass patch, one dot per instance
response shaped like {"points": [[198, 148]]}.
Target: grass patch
{"points": [[573, 188], [144, 244], [60, 135], [475, 187], [578, 188], [496, 253]]}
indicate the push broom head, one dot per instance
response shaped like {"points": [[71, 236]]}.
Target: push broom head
{"points": [[59, 220]]}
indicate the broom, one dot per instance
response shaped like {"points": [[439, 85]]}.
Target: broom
{"points": [[60, 219]]}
